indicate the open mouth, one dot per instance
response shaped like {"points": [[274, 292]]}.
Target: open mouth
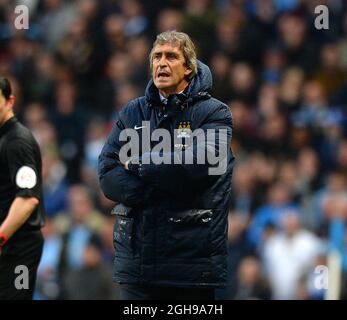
{"points": [[163, 75]]}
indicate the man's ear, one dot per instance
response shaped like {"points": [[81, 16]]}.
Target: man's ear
{"points": [[11, 100], [188, 72]]}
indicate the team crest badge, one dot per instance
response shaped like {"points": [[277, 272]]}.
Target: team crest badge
{"points": [[184, 129]]}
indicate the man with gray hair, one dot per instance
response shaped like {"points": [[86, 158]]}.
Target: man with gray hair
{"points": [[173, 189]]}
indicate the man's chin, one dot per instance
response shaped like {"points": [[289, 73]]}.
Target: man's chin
{"points": [[162, 86]]}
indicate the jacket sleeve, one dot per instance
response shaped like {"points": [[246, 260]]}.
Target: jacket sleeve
{"points": [[183, 177], [117, 183]]}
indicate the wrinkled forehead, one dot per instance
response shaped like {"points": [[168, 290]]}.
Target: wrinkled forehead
{"points": [[168, 47]]}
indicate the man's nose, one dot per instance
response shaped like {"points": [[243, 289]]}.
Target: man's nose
{"points": [[162, 61]]}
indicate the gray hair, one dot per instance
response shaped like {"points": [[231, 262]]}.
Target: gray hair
{"points": [[185, 44]]}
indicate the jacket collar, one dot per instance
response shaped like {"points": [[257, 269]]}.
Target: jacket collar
{"points": [[197, 89]]}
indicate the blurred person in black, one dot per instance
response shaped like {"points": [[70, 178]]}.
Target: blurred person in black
{"points": [[67, 113], [91, 281], [21, 209], [251, 283]]}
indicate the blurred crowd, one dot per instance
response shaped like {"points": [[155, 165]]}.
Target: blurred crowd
{"points": [[81, 61]]}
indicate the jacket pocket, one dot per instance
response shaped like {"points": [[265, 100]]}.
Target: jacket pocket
{"points": [[189, 233], [192, 217], [123, 231]]}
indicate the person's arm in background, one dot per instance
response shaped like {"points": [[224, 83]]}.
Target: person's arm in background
{"points": [[19, 212], [174, 178]]}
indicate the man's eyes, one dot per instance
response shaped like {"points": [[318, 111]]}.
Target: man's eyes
{"points": [[169, 56]]}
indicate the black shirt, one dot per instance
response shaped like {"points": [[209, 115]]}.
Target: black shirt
{"points": [[20, 174]]}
